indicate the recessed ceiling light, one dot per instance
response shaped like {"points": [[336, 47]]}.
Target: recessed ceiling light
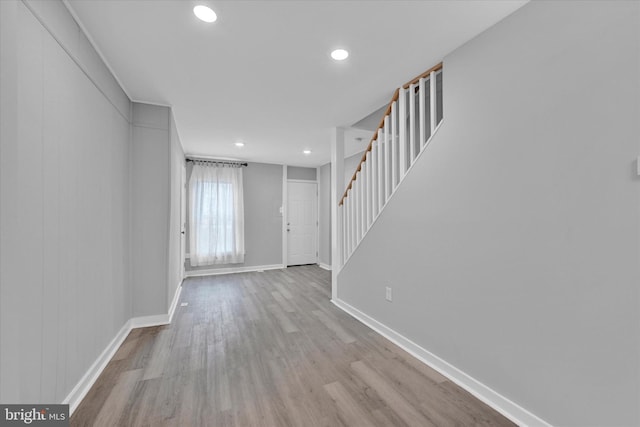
{"points": [[239, 144], [307, 151], [339, 54], [205, 13]]}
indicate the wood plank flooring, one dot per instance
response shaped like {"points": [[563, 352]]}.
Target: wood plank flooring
{"points": [[269, 349]]}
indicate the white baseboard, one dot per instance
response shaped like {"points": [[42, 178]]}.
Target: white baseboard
{"points": [[506, 407], [148, 321], [230, 270], [324, 266], [83, 386], [174, 303], [89, 378]]}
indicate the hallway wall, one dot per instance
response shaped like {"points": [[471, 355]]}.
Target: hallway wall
{"points": [[64, 203], [512, 246]]}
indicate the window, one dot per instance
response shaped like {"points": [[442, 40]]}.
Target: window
{"points": [[216, 214]]}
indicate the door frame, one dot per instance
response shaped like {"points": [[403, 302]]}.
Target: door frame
{"points": [[183, 219], [285, 215]]}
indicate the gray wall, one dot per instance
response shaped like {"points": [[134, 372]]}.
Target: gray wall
{"points": [[262, 217], [150, 196], [324, 217], [295, 172], [64, 204], [513, 245], [88, 235]]}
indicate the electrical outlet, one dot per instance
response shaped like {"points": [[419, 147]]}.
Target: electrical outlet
{"points": [[388, 295]]}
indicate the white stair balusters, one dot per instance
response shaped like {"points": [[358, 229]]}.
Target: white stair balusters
{"points": [[422, 113], [405, 130], [411, 93], [433, 101]]}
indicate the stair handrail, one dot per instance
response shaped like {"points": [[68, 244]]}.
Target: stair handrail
{"points": [[394, 98]]}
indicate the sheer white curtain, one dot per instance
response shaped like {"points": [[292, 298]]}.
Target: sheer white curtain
{"points": [[216, 214]]}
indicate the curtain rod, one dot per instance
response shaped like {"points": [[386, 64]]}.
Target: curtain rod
{"points": [[223, 162]]}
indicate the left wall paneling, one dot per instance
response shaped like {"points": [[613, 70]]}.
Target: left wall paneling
{"points": [[65, 209]]}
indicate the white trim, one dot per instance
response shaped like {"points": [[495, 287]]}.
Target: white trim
{"points": [[83, 386], [318, 215], [174, 303], [506, 407], [74, 57], [93, 44], [147, 321], [304, 181], [231, 270], [183, 212], [285, 201], [154, 103], [324, 266]]}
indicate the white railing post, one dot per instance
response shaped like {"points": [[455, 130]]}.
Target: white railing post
{"points": [[363, 195], [374, 180], [347, 228], [402, 123], [363, 204], [394, 148], [344, 230], [380, 169], [412, 123], [422, 113], [341, 214], [367, 185], [360, 187], [354, 207], [432, 101], [356, 210], [337, 182], [387, 161]]}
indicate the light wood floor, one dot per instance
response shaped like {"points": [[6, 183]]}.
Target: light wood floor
{"points": [[269, 349]]}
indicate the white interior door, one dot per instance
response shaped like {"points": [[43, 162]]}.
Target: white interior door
{"points": [[302, 222]]}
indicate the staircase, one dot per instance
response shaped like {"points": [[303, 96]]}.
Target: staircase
{"points": [[410, 121]]}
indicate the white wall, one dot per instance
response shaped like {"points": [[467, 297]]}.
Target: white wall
{"points": [[512, 246], [64, 212]]}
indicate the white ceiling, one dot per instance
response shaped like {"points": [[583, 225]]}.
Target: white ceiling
{"points": [[262, 72]]}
